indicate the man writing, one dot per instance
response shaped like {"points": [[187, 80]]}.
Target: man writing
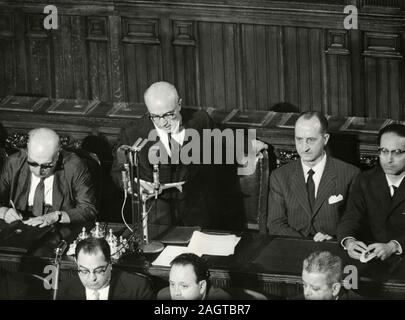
{"points": [[308, 196], [375, 212], [46, 184]]}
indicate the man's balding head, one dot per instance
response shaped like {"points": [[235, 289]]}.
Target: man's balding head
{"points": [[43, 147], [161, 97], [163, 103]]}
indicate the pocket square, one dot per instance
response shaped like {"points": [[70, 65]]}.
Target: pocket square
{"points": [[333, 199]]}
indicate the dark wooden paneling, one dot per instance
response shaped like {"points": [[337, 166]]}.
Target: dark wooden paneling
{"points": [[217, 65], [185, 68], [7, 54], [338, 73], [248, 54], [383, 71], [262, 65], [98, 61], [142, 56], [39, 56]]}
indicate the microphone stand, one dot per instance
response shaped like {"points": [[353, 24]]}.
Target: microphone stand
{"points": [[134, 161], [58, 255]]}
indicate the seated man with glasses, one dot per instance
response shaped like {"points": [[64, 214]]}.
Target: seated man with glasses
{"points": [[376, 207], [46, 184], [97, 280]]}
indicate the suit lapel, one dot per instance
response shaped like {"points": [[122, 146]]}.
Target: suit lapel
{"points": [[399, 197], [58, 189], [326, 185], [382, 192], [22, 189], [299, 187], [117, 288]]}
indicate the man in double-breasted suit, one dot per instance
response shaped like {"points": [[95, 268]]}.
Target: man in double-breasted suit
{"points": [[376, 207], [308, 196], [46, 184]]}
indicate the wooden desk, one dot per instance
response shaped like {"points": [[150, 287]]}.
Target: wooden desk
{"points": [[268, 264]]}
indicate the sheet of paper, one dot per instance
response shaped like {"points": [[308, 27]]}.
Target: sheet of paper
{"points": [[215, 245], [168, 254]]}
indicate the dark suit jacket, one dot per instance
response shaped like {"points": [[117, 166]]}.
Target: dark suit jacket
{"points": [[289, 212], [344, 294], [371, 215], [123, 286], [213, 294], [193, 206], [73, 190]]}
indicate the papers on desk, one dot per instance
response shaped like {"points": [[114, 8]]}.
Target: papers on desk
{"points": [[200, 244]]}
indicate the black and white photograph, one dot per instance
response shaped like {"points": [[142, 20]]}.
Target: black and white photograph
{"points": [[227, 151]]}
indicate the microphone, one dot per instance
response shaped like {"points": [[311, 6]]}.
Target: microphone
{"points": [[125, 175], [124, 180], [156, 182], [60, 249]]}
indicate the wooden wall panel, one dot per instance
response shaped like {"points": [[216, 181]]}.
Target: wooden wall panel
{"points": [[303, 68], [217, 65], [39, 73], [142, 56], [185, 68], [7, 54], [383, 76], [262, 65], [98, 58], [339, 93], [248, 55]]}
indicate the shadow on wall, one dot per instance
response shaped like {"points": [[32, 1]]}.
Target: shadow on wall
{"points": [[110, 196], [285, 107]]}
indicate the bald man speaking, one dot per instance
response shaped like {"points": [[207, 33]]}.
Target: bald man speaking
{"points": [[171, 124], [44, 184]]}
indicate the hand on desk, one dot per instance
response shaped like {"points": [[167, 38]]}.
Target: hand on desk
{"points": [[43, 221], [319, 237]]}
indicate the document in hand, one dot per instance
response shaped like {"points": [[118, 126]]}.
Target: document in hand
{"points": [[200, 244]]}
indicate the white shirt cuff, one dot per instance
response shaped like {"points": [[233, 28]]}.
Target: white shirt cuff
{"points": [[343, 241], [399, 251]]}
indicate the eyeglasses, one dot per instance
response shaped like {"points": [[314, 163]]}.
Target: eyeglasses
{"points": [[167, 116], [97, 271], [386, 152], [43, 166]]}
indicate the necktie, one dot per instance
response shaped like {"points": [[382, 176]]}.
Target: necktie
{"points": [[38, 206], [394, 189], [311, 189]]}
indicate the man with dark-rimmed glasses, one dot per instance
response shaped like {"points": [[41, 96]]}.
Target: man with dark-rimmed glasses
{"points": [[44, 184], [376, 209], [97, 280]]}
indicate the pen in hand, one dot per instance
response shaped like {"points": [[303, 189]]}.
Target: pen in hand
{"points": [[13, 206]]}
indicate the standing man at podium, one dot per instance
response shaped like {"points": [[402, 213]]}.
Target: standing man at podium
{"points": [[195, 204], [46, 184]]}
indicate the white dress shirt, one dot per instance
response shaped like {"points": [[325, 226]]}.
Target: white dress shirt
{"points": [[318, 169], [103, 294], [48, 188], [396, 184], [175, 133]]}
